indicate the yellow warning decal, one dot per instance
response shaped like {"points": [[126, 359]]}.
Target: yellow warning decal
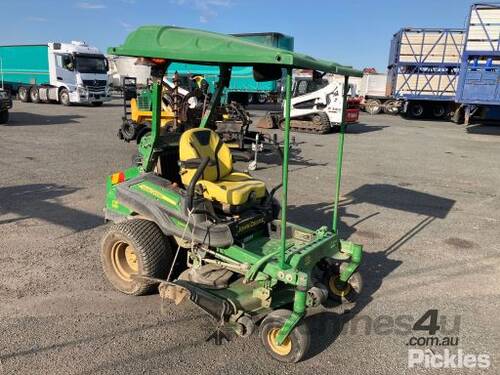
{"points": [[157, 194]]}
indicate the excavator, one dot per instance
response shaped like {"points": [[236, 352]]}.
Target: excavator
{"points": [[316, 106]]}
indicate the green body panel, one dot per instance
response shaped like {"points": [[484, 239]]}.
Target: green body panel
{"points": [[208, 48], [165, 197], [272, 39], [112, 203], [25, 64]]}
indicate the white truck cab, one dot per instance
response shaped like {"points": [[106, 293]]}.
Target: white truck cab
{"points": [[78, 74]]}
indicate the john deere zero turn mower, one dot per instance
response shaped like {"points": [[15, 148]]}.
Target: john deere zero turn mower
{"points": [[246, 264]]}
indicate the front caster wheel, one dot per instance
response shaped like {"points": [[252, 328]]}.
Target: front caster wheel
{"points": [[342, 292], [295, 345], [135, 248]]}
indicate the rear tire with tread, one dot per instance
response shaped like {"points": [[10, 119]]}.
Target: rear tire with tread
{"points": [[152, 250], [438, 111], [23, 94], [416, 110], [34, 94]]}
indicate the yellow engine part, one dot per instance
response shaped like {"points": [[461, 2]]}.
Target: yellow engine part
{"points": [[141, 117]]}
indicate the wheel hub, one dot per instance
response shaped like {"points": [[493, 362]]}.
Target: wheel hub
{"points": [[124, 260], [338, 287], [284, 349]]}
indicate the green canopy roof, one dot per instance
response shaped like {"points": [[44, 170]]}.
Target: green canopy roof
{"points": [[204, 47]]}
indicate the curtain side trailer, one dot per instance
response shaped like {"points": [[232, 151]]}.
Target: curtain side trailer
{"points": [[64, 72]]}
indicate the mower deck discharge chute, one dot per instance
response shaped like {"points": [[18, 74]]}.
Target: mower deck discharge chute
{"points": [[245, 263]]}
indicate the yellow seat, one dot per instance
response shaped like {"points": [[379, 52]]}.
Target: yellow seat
{"points": [[219, 182]]}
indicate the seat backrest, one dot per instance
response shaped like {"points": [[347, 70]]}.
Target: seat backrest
{"points": [[198, 143]]}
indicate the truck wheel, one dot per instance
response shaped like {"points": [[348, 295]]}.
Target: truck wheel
{"points": [[135, 247], [373, 106], [34, 95], [295, 345], [96, 104], [4, 116], [64, 97], [391, 107], [416, 110], [23, 94], [438, 110], [262, 98]]}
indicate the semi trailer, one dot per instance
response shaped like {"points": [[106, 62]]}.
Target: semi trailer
{"points": [[478, 90], [68, 73], [423, 71], [442, 73], [372, 89], [243, 88]]}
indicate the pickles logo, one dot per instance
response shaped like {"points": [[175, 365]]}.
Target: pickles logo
{"points": [[429, 359]]}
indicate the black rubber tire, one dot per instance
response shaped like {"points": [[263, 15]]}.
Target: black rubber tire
{"points": [[416, 110], [23, 94], [34, 94], [129, 130], [300, 336], [261, 98], [4, 116], [438, 111], [97, 104], [352, 288], [152, 249], [64, 97]]}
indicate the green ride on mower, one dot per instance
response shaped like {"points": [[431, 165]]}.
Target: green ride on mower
{"points": [[246, 264]]}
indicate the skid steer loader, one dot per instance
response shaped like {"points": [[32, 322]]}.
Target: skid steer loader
{"points": [[316, 107]]}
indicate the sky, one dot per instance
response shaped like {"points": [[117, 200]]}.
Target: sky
{"points": [[351, 32]]}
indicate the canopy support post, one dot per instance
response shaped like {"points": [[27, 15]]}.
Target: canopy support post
{"points": [[222, 83], [284, 179], [340, 156], [146, 147]]}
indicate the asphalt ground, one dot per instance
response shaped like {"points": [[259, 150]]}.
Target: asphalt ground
{"points": [[421, 196]]}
